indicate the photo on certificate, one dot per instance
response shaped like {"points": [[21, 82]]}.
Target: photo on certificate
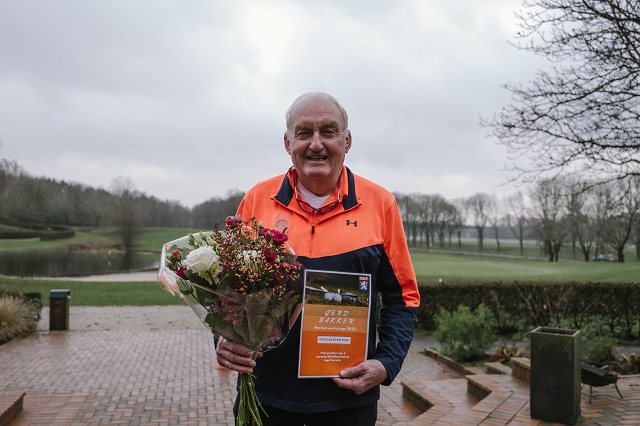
{"points": [[335, 322]]}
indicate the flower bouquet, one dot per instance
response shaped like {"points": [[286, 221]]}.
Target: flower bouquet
{"points": [[243, 283]]}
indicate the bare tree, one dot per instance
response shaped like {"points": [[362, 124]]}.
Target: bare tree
{"points": [[620, 214], [478, 210], [581, 218], [548, 214], [443, 214], [409, 211], [126, 216], [457, 220], [517, 217], [494, 213], [585, 111]]}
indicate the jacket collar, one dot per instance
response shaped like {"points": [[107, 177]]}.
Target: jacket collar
{"points": [[347, 188]]}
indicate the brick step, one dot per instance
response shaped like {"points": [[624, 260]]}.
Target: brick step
{"points": [[478, 399], [10, 405], [437, 399]]}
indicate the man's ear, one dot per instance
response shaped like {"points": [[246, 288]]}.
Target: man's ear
{"points": [[287, 145], [348, 141]]}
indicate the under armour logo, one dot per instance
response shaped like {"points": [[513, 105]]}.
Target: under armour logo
{"points": [[355, 222]]}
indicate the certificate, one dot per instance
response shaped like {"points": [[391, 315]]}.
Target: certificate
{"points": [[335, 322]]}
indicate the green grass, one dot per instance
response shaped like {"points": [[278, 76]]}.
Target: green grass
{"points": [[146, 293], [532, 249], [152, 239], [429, 267]]}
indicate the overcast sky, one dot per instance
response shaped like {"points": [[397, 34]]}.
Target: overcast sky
{"points": [[187, 98]]}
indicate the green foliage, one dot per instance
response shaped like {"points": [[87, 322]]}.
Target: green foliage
{"points": [[465, 335], [523, 305], [507, 320], [597, 343]]}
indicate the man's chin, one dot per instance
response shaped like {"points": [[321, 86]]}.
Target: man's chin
{"points": [[317, 172]]}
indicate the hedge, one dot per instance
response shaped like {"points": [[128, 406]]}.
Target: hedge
{"points": [[539, 303], [42, 231]]}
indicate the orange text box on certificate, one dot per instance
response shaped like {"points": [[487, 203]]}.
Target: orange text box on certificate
{"points": [[333, 338]]}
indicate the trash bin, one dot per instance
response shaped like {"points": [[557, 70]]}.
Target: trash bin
{"points": [[59, 309], [555, 375]]}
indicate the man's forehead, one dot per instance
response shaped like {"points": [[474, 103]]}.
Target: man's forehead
{"points": [[317, 110], [319, 119]]}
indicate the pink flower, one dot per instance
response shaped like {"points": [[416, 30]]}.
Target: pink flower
{"points": [[279, 237], [232, 310]]}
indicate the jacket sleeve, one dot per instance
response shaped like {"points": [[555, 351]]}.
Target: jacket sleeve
{"points": [[398, 287]]}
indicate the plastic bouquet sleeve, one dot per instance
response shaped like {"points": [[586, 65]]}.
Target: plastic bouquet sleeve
{"points": [[244, 284]]}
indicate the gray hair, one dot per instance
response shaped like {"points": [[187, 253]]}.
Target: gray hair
{"points": [[322, 95]]}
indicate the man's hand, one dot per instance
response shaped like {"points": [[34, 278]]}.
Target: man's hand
{"points": [[235, 356], [362, 377]]}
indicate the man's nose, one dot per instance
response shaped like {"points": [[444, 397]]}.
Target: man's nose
{"points": [[316, 143]]}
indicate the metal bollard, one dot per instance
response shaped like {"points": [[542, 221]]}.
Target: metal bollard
{"points": [[59, 309]]}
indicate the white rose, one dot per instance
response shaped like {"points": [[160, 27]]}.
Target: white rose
{"points": [[201, 259]]}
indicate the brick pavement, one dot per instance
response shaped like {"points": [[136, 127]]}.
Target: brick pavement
{"points": [[163, 377], [145, 377]]}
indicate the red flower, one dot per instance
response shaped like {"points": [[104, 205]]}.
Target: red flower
{"points": [[267, 233], [180, 272], [177, 256], [270, 256], [279, 237], [233, 221]]}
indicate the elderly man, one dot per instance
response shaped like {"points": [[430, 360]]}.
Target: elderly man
{"points": [[336, 221]]}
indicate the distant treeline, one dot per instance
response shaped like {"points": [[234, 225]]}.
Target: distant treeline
{"points": [[587, 217], [28, 199]]}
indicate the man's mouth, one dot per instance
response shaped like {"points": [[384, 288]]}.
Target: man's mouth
{"points": [[317, 158]]}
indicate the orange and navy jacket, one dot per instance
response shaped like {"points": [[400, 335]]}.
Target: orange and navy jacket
{"points": [[363, 234]]}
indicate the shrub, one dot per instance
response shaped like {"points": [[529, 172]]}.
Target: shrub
{"points": [[465, 335], [597, 343], [18, 317]]}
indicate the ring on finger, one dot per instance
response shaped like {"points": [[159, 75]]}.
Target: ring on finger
{"points": [[226, 364]]}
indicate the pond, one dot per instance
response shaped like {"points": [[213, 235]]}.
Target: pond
{"points": [[62, 264]]}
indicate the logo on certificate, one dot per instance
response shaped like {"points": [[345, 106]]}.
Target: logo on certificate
{"points": [[363, 283]]}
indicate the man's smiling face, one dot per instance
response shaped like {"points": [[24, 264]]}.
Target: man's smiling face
{"points": [[317, 142]]}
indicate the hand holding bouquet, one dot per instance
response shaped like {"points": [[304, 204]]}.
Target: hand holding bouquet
{"points": [[243, 283]]}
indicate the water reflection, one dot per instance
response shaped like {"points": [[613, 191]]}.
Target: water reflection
{"points": [[57, 264]]}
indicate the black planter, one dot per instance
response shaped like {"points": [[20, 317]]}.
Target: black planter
{"points": [[555, 375]]}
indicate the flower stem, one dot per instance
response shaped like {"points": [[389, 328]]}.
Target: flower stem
{"points": [[249, 406]]}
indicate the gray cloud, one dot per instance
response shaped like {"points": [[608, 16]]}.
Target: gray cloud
{"points": [[188, 99]]}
